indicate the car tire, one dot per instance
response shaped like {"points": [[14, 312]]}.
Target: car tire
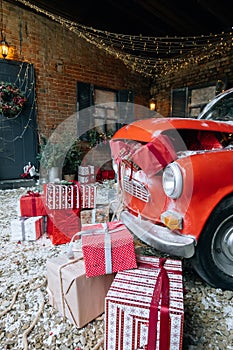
{"points": [[213, 259]]}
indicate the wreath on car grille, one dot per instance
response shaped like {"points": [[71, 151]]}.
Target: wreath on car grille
{"points": [[12, 100]]}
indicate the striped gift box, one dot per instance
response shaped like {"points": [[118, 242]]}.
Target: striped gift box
{"points": [[144, 307]]}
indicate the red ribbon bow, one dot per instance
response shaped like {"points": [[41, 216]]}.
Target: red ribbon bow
{"points": [[161, 289]]}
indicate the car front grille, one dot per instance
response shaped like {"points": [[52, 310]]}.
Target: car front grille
{"points": [[135, 189]]}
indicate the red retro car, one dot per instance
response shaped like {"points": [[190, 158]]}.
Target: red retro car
{"points": [[176, 178]]}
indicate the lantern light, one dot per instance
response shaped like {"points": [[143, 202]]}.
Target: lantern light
{"points": [[4, 48]]}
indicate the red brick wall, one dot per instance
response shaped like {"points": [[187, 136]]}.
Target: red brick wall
{"points": [[61, 58], [195, 75]]}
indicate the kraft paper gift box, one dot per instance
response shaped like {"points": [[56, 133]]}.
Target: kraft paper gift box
{"points": [[62, 225], [107, 248], [99, 214], [144, 307], [62, 196], [32, 204], [27, 228], [74, 296]]}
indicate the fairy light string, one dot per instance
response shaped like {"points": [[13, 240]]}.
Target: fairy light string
{"points": [[150, 56]]}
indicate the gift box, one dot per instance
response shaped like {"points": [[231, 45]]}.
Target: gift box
{"points": [[144, 307], [98, 215], [62, 225], [107, 248], [88, 196], [76, 297], [86, 174], [32, 204], [27, 228], [155, 155], [62, 196]]}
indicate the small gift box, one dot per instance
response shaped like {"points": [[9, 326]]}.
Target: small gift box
{"points": [[88, 196], [62, 225], [76, 297], [62, 196], [32, 204], [107, 248], [27, 228], [86, 174], [99, 214], [144, 307]]}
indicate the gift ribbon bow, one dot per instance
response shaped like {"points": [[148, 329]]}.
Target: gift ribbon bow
{"points": [[161, 289], [33, 194]]}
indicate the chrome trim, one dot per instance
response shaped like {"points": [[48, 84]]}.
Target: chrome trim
{"points": [[159, 237], [135, 189]]}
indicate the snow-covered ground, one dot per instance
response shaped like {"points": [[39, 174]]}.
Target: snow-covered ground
{"points": [[27, 321]]}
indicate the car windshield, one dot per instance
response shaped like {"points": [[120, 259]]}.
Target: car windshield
{"points": [[220, 108]]}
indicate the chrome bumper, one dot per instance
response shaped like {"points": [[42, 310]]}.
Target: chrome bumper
{"points": [[159, 237]]}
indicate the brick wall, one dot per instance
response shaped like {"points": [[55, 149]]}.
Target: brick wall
{"points": [[196, 75], [61, 58]]}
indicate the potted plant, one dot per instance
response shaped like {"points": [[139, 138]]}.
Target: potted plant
{"points": [[72, 161], [51, 157]]}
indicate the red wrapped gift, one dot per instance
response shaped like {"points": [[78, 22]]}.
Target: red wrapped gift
{"points": [[62, 196], [155, 155], [32, 204], [107, 248], [144, 307], [62, 225]]}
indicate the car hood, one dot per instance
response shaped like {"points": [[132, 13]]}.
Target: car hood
{"points": [[147, 129]]}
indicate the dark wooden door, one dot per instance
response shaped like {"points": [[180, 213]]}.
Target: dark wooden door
{"points": [[18, 135]]}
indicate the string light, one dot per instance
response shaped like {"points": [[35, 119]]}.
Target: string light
{"points": [[22, 81], [153, 57]]}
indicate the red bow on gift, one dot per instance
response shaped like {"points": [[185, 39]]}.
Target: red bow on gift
{"points": [[33, 194]]}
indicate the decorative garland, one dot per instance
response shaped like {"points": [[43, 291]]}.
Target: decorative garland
{"points": [[12, 100]]}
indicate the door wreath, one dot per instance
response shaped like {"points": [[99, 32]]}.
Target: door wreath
{"points": [[12, 100]]}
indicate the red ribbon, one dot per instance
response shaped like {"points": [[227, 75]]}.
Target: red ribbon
{"points": [[33, 194], [161, 289]]}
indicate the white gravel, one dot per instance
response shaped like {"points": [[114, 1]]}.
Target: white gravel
{"points": [[208, 319]]}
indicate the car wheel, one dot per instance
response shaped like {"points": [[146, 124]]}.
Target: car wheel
{"points": [[213, 259]]}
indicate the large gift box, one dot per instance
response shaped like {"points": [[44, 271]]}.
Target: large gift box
{"points": [[144, 307], [27, 228], [62, 225], [107, 248], [97, 215], [32, 204], [62, 196], [76, 297]]}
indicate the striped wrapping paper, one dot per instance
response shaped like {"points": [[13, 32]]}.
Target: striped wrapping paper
{"points": [[129, 305]]}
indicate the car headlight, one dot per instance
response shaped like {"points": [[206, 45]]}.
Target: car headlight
{"points": [[172, 181]]}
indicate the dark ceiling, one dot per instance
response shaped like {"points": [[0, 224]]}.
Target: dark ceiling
{"points": [[147, 17]]}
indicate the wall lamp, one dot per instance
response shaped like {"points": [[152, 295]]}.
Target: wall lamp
{"points": [[4, 48], [152, 104]]}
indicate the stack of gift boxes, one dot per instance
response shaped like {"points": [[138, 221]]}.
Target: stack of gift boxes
{"points": [[141, 296]]}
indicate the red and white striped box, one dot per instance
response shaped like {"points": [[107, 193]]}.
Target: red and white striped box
{"points": [[144, 307], [88, 196], [61, 196]]}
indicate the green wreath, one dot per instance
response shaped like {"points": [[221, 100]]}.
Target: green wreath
{"points": [[12, 100]]}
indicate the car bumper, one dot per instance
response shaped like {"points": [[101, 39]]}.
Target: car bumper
{"points": [[159, 237]]}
